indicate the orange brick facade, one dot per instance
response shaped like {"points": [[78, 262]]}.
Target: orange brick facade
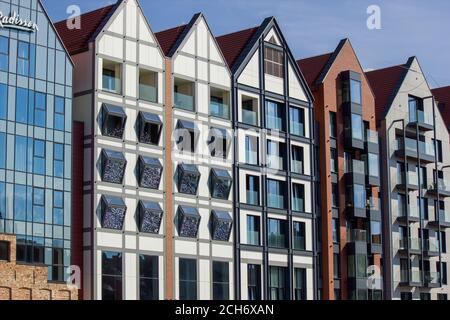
{"points": [[25, 282]]}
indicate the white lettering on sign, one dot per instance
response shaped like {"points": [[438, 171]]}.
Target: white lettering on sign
{"points": [[15, 22]]}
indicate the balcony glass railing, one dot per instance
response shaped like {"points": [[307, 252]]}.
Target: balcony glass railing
{"points": [[410, 145], [432, 277], [275, 162], [251, 157], [372, 136], [275, 201], [420, 116], [297, 128], [416, 276], [184, 101], [252, 198], [413, 178], [414, 211], [299, 243], [432, 245], [277, 240], [111, 84], [414, 244], [357, 166], [147, 93], [253, 238], [298, 204], [297, 166], [275, 123], [358, 235], [443, 184], [220, 110], [444, 216], [249, 117], [374, 204]]}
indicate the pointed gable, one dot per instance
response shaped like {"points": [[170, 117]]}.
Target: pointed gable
{"points": [[233, 44], [442, 96], [313, 66]]}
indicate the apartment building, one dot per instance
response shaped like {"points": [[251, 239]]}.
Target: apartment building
{"points": [[414, 157], [199, 163], [35, 160], [349, 223], [119, 96], [442, 97], [273, 170]]}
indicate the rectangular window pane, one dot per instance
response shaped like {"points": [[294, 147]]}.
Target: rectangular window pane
{"points": [[188, 279], [111, 276], [254, 282], [23, 56], [148, 277], [20, 153], [221, 285], [3, 101], [22, 105]]}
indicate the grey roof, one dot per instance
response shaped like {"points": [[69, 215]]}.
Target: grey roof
{"points": [[115, 110], [114, 201], [151, 117]]}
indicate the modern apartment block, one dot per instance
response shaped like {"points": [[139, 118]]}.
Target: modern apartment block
{"points": [[35, 159], [414, 157], [273, 171], [349, 223]]}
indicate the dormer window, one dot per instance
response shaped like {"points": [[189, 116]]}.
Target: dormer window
{"points": [[113, 166], [149, 128], [273, 61], [187, 135], [188, 178], [113, 121], [221, 224], [220, 183], [188, 221], [150, 217], [113, 210], [150, 172]]}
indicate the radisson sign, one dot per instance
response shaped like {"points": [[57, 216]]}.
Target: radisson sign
{"points": [[15, 22]]}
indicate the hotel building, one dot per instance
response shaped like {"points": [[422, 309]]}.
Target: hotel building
{"points": [[414, 157], [349, 220]]}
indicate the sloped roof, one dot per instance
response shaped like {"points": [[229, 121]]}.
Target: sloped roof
{"points": [[312, 67], [442, 96], [77, 40], [385, 83], [233, 44], [168, 38]]}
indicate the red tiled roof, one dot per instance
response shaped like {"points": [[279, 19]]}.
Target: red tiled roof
{"points": [[383, 83], [233, 44], [313, 66], [167, 38], [77, 40], [442, 96]]}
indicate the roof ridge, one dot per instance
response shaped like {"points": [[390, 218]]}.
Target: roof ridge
{"points": [[88, 12]]}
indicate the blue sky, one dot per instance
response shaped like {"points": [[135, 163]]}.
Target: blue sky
{"points": [[409, 27]]}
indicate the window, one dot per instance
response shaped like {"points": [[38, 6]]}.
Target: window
{"points": [[20, 202], [40, 114], [423, 177], [297, 159], [250, 110], [442, 296], [355, 91], [21, 152], [148, 277], [333, 125], [277, 283], [57, 267], [275, 194], [299, 236], [373, 165], [112, 77], [39, 157], [375, 232], [275, 155], [253, 230], [3, 148], [425, 296], [4, 251], [113, 121], [443, 242], [221, 280], [188, 178], [150, 217], [405, 296], [273, 61], [59, 114], [22, 105], [184, 95], [254, 281], [357, 194], [252, 190], [113, 210], [218, 143], [333, 161], [4, 53], [298, 197], [219, 105], [188, 279], [3, 101], [357, 127], [148, 85], [401, 205], [274, 116], [357, 265], [300, 284], [220, 183], [251, 150], [336, 266], [444, 273], [187, 135], [437, 145], [111, 275], [277, 233], [30, 249], [297, 121], [23, 58], [416, 110], [188, 221], [221, 224], [149, 128], [335, 230], [113, 165], [38, 205], [150, 172], [58, 160], [58, 207], [334, 195]]}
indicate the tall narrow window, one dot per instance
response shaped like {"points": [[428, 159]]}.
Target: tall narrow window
{"points": [[273, 60], [277, 233], [20, 202], [3, 153], [4, 251], [274, 116], [252, 190], [3, 101], [58, 160], [219, 105], [299, 236], [59, 114], [275, 194], [254, 282], [333, 161], [39, 157], [58, 207], [184, 94], [188, 279], [221, 280], [4, 53], [112, 77], [111, 275], [335, 230], [253, 230], [22, 105], [148, 277], [357, 127], [298, 197], [23, 58], [275, 155], [333, 125], [250, 110], [277, 283], [38, 205], [334, 195], [40, 114], [251, 150], [21, 152], [355, 91], [300, 284], [297, 159], [148, 85], [297, 121]]}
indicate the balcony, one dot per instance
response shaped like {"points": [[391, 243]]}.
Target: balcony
{"points": [[112, 77], [409, 149], [148, 82], [275, 201], [298, 204], [219, 105], [250, 107], [374, 208], [440, 219], [432, 279], [442, 187], [412, 216], [372, 142], [411, 278], [275, 162], [431, 247], [414, 246], [184, 95], [253, 238], [355, 173], [253, 198], [421, 119], [413, 181]]}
